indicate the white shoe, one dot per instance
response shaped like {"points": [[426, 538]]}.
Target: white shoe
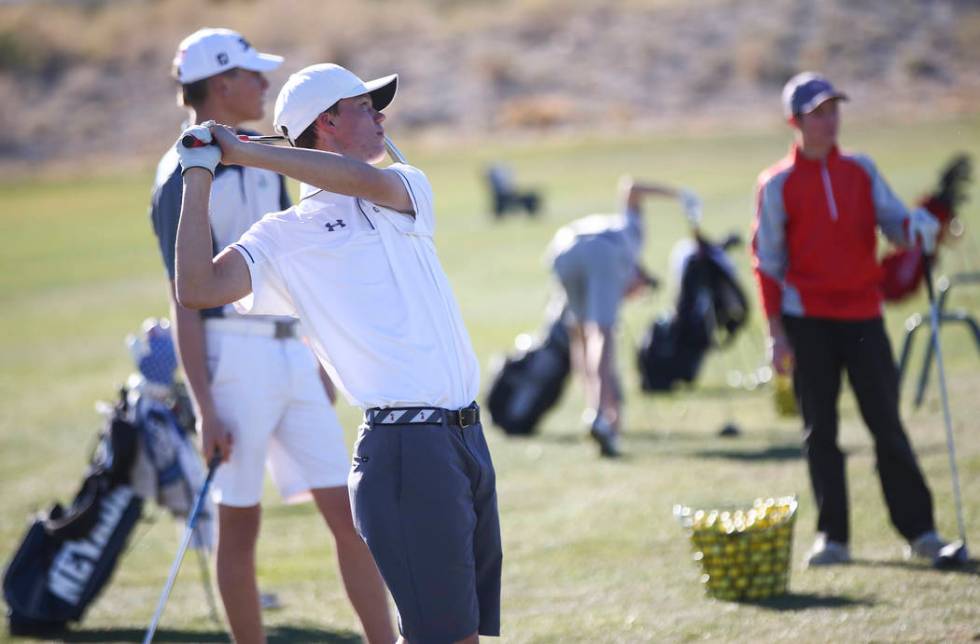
{"points": [[827, 553], [926, 547]]}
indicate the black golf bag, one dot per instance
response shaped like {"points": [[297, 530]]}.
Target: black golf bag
{"points": [[530, 380], [68, 554], [711, 308]]}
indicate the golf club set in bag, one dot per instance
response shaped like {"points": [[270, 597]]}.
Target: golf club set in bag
{"points": [[711, 308], [145, 451]]}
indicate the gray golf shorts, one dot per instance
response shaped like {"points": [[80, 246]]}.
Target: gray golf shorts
{"points": [[424, 500], [594, 272]]}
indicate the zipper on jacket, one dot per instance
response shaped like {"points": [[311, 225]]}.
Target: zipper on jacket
{"points": [[828, 189]]}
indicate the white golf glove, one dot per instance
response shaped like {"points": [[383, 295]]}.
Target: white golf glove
{"points": [[203, 154], [692, 206], [924, 230]]}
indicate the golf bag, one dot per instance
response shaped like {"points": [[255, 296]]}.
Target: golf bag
{"points": [[902, 268], [167, 468], [530, 381], [711, 308], [69, 554], [144, 452]]}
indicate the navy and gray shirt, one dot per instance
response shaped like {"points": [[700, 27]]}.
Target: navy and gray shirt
{"points": [[240, 196]]}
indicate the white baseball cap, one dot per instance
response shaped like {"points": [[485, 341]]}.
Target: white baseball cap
{"points": [[316, 88], [207, 52]]}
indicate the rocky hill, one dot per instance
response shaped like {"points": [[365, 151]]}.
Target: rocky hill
{"points": [[77, 78]]}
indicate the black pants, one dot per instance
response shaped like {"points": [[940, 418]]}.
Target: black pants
{"points": [[823, 348]]}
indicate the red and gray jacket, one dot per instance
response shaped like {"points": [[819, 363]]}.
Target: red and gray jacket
{"points": [[814, 237]]}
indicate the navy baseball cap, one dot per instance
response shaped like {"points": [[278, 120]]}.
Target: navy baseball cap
{"points": [[806, 91]]}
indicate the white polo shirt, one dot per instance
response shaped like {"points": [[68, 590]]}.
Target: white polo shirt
{"points": [[368, 286]]}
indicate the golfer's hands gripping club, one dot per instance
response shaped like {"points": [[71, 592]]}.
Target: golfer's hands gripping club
{"points": [[923, 230], [218, 139], [194, 149]]}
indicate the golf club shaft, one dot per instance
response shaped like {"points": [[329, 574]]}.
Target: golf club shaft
{"points": [[394, 152], [188, 533], [950, 447], [189, 141]]}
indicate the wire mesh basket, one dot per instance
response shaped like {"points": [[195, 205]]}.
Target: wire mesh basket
{"points": [[744, 552]]}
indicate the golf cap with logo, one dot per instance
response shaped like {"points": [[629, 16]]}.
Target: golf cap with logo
{"points": [[208, 52], [314, 89], [806, 92]]}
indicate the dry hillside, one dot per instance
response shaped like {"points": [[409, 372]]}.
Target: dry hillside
{"points": [[79, 77]]}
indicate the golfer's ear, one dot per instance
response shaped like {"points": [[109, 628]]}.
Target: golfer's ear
{"points": [[325, 122]]}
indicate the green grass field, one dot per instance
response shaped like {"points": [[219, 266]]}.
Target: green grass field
{"points": [[592, 552]]}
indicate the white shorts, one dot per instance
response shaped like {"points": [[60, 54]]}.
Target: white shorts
{"points": [[269, 395]]}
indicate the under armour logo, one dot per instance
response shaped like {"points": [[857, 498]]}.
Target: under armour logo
{"points": [[337, 224], [222, 58]]}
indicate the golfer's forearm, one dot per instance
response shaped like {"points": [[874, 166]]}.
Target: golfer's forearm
{"points": [[644, 189], [195, 272], [192, 349], [329, 171], [636, 191]]}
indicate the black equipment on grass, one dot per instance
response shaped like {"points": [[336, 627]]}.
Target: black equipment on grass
{"points": [[711, 309], [531, 380], [506, 196], [69, 554]]}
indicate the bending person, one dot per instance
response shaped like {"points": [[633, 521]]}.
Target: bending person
{"points": [[596, 261]]}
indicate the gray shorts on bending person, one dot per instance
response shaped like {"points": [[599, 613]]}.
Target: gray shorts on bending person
{"points": [[594, 273]]}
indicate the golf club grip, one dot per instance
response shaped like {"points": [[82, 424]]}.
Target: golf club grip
{"points": [[191, 141]]}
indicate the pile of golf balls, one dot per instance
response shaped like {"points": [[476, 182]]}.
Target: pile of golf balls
{"points": [[744, 554]]}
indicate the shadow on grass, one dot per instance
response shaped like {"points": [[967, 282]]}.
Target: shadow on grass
{"points": [[970, 568], [274, 634], [279, 634], [581, 437], [137, 635], [807, 601], [771, 453]]}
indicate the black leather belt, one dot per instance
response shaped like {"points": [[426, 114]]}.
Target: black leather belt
{"points": [[462, 418]]}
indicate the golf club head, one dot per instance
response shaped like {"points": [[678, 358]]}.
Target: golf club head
{"points": [[953, 555]]}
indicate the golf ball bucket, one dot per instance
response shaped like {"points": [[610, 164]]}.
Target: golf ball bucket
{"points": [[744, 552]]}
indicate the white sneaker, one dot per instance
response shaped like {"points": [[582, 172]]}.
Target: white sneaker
{"points": [[926, 547], [827, 553]]}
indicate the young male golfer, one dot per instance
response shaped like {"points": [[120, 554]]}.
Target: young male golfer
{"points": [[255, 384], [356, 263], [814, 256]]}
